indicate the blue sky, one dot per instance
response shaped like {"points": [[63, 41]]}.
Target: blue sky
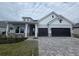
{"points": [[15, 11]]}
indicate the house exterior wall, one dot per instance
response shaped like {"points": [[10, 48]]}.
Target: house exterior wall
{"points": [[13, 30], [54, 23], [14, 27], [3, 29], [42, 26], [60, 26], [47, 19]]}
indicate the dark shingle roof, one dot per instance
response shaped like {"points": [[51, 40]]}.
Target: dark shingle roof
{"points": [[76, 25]]}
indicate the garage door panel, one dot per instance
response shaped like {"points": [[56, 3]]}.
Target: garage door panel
{"points": [[42, 31], [61, 32]]}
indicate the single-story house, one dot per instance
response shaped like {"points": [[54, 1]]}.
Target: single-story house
{"points": [[53, 24]]}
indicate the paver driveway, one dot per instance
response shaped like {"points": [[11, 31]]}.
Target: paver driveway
{"points": [[58, 46]]}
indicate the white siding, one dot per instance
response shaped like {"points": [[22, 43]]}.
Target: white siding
{"points": [[2, 29], [42, 26], [59, 26], [12, 31], [64, 22], [47, 19], [56, 24]]}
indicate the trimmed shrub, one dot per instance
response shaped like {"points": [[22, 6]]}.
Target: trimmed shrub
{"points": [[5, 40]]}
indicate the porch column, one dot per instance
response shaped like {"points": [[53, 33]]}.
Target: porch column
{"points": [[7, 28], [26, 26], [71, 32], [36, 31], [49, 31]]}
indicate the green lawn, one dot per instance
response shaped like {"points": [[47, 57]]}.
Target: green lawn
{"points": [[24, 48]]}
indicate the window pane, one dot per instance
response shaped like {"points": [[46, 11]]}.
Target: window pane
{"points": [[22, 30], [17, 30]]}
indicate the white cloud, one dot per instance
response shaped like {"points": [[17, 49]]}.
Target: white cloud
{"points": [[15, 11]]}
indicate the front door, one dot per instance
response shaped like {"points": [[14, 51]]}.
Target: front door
{"points": [[32, 30]]}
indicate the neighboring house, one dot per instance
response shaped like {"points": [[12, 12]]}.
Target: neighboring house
{"points": [[76, 25], [51, 25], [76, 28]]}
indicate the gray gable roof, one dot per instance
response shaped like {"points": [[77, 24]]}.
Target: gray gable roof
{"points": [[60, 16], [21, 22], [27, 18], [48, 15], [18, 22]]}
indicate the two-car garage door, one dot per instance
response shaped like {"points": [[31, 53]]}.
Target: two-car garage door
{"points": [[60, 32], [55, 32]]}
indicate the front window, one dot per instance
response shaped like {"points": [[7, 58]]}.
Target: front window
{"points": [[11, 28], [17, 30], [21, 30]]}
